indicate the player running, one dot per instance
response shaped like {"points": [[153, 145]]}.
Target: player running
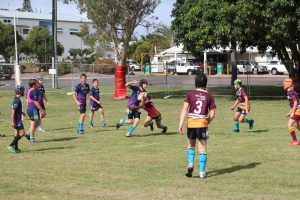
{"points": [[42, 97], [199, 106], [243, 109], [134, 114], [80, 93], [153, 114], [17, 120], [34, 109], [96, 104], [294, 113]]}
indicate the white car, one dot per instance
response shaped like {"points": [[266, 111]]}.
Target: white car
{"points": [[276, 67], [186, 68], [134, 66]]}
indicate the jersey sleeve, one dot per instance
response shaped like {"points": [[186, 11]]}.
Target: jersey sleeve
{"points": [[293, 96], [134, 88], [187, 98], [76, 89], [15, 104], [243, 92], [212, 103], [34, 95], [91, 92]]}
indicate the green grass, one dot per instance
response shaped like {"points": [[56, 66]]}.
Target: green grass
{"points": [[104, 164]]}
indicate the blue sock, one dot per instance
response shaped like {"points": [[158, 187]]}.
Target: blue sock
{"points": [[122, 121], [202, 161], [236, 125], [247, 121], [103, 122], [131, 129], [190, 152], [80, 126]]}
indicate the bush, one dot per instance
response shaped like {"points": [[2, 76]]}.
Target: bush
{"points": [[63, 68], [104, 66]]}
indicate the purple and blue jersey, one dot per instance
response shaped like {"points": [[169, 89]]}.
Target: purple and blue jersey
{"points": [[94, 92], [32, 96], [41, 95], [133, 100], [17, 106], [82, 90]]}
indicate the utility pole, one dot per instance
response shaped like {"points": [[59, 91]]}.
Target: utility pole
{"points": [[16, 65], [54, 49]]}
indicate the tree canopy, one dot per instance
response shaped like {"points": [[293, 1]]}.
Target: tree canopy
{"points": [[204, 24], [117, 19]]}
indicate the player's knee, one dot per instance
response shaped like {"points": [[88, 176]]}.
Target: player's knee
{"points": [[146, 124], [241, 120]]}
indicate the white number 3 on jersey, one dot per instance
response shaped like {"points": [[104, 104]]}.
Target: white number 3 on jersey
{"points": [[199, 107]]}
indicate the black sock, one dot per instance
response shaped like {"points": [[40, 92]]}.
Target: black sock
{"points": [[14, 143]]}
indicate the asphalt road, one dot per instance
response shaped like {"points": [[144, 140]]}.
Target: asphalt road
{"points": [[69, 81]]}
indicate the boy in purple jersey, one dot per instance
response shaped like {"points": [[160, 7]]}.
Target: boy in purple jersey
{"points": [[42, 97], [17, 120], [133, 105], [96, 104], [294, 113], [199, 106], [80, 93], [243, 109], [34, 109]]}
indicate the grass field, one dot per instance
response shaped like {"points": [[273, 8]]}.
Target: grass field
{"points": [[104, 164]]}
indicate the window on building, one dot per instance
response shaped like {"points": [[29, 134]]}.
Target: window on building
{"points": [[25, 31], [7, 21], [74, 31], [60, 29]]}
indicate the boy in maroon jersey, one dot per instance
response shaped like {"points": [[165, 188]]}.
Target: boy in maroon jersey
{"points": [[294, 113], [242, 101], [200, 107]]}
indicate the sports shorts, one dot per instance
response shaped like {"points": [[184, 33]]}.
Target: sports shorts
{"points": [[197, 133], [95, 107], [19, 126], [133, 114], [241, 110], [82, 109], [157, 118], [33, 115]]}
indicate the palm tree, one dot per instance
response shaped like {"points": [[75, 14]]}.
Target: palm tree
{"points": [[165, 31]]}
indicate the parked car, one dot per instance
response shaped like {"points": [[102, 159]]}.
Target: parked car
{"points": [[2, 60], [6, 71], [186, 68], [277, 67], [171, 67], [258, 69], [134, 66]]}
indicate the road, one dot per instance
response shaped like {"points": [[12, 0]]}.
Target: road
{"points": [[69, 81]]}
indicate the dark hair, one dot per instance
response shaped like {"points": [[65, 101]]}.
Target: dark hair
{"points": [[94, 80], [32, 82], [200, 80], [143, 81], [83, 75]]}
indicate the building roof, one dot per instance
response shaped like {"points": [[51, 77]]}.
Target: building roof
{"points": [[42, 16]]}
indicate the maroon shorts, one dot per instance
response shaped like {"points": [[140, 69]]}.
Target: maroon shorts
{"points": [[296, 117]]}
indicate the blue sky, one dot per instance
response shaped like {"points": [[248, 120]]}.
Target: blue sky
{"points": [[163, 11]]}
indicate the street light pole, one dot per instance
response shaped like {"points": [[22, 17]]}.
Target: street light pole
{"points": [[54, 50], [16, 65]]}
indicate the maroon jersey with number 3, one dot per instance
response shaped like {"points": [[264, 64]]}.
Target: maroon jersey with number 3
{"points": [[292, 96], [200, 103]]}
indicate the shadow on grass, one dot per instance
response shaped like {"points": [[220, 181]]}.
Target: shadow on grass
{"points": [[60, 129], [232, 169], [51, 148], [259, 131], [60, 139], [156, 134]]}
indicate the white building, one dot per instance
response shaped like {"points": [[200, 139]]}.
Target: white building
{"points": [[67, 26]]}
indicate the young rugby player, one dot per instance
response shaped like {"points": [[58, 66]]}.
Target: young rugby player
{"points": [[294, 113], [153, 114], [243, 109], [133, 105], [34, 109], [17, 120], [42, 97], [80, 93], [199, 106], [95, 104]]}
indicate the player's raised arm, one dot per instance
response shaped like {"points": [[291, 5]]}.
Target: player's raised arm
{"points": [[183, 114], [131, 83]]}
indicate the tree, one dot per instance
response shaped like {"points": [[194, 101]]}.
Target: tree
{"points": [[27, 6], [117, 19], [7, 41], [204, 24], [38, 42]]}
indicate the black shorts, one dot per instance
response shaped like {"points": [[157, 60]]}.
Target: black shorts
{"points": [[133, 114], [82, 109], [197, 133], [43, 106], [34, 115], [157, 119], [19, 126], [241, 110], [95, 108]]}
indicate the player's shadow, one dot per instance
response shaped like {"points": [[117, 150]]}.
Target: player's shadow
{"points": [[258, 131], [231, 169], [60, 139], [156, 134], [60, 129], [51, 148]]}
